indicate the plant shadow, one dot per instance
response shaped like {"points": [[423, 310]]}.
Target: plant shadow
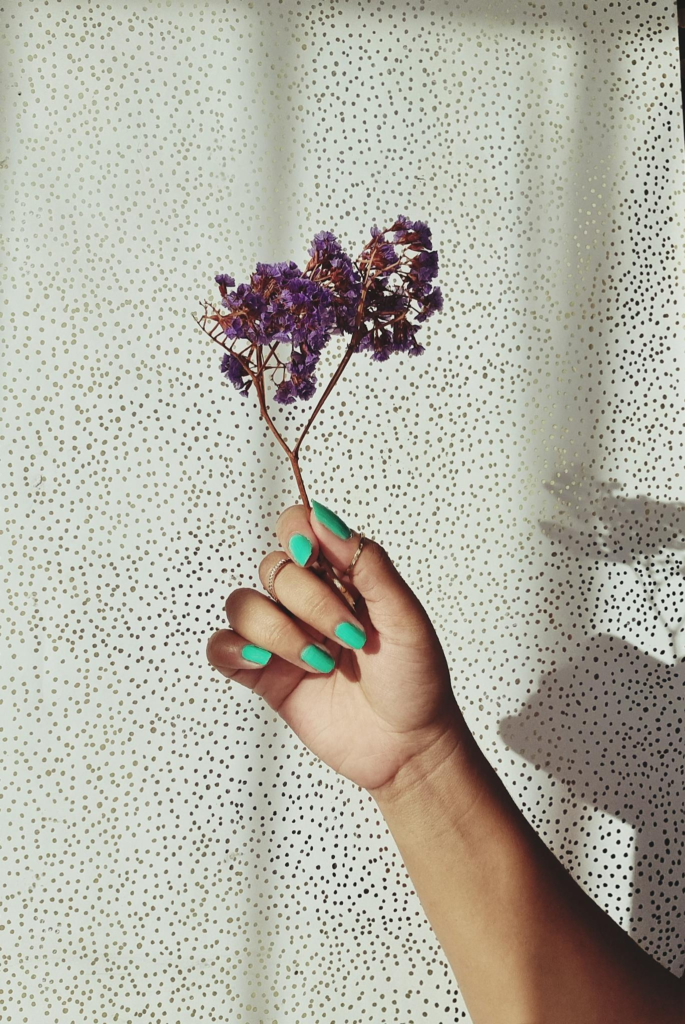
{"points": [[609, 723]]}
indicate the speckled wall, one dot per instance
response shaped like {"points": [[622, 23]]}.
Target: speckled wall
{"points": [[170, 851]]}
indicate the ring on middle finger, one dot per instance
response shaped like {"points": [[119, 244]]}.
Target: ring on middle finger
{"points": [[272, 575], [300, 602]]}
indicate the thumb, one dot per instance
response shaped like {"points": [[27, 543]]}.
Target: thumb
{"points": [[394, 610]]}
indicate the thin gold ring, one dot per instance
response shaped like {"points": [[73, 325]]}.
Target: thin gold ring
{"points": [[357, 553], [272, 576], [284, 561]]}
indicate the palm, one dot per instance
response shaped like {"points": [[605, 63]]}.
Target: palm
{"points": [[368, 716]]}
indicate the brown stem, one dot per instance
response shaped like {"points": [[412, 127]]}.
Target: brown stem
{"points": [[327, 569], [331, 384], [350, 349]]}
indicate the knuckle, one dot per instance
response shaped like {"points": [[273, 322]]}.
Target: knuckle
{"points": [[279, 521], [379, 553], [216, 646], [276, 634], [318, 606], [285, 514], [265, 562], [234, 600], [378, 559], [263, 571]]}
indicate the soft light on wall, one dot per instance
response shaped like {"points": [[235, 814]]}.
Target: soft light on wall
{"points": [[171, 852]]}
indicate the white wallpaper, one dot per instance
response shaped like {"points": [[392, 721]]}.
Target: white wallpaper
{"points": [[170, 851]]}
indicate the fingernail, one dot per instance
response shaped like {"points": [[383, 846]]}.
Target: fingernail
{"points": [[331, 521], [300, 548], [258, 654], [318, 658], [351, 634]]}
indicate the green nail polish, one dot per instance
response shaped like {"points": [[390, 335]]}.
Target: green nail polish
{"points": [[318, 658], [300, 548], [252, 653], [331, 521], [351, 634]]}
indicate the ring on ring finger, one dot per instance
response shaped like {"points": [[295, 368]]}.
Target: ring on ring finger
{"points": [[310, 598], [263, 624]]}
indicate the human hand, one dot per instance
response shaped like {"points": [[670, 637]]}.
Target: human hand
{"points": [[377, 714]]}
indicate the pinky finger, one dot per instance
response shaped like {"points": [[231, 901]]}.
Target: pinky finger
{"points": [[236, 658]]}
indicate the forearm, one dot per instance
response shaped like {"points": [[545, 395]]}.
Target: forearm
{"points": [[526, 943]]}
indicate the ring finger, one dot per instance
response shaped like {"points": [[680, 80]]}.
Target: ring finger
{"points": [[265, 626], [303, 593]]}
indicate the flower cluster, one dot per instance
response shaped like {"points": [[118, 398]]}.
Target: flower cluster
{"points": [[331, 296]]}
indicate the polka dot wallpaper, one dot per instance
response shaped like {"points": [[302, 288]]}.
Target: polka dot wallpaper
{"points": [[171, 852]]}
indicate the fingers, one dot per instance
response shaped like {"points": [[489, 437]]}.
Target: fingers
{"points": [[227, 650], [314, 601], [274, 681], [264, 625], [294, 627], [393, 608], [296, 536], [231, 651]]}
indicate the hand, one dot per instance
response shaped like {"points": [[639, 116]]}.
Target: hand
{"points": [[381, 712]]}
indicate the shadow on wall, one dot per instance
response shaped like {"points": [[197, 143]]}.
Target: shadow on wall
{"points": [[610, 724]]}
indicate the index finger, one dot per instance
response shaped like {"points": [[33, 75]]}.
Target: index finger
{"points": [[296, 536]]}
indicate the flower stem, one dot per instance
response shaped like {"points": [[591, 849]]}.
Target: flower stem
{"points": [[346, 358], [327, 570], [331, 384]]}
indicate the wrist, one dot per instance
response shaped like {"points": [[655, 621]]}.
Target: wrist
{"points": [[452, 764]]}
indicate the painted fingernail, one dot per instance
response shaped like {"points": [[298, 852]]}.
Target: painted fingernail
{"points": [[253, 653], [318, 658], [300, 548], [331, 521], [351, 634]]}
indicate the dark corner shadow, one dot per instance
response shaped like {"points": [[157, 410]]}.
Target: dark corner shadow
{"points": [[610, 723]]}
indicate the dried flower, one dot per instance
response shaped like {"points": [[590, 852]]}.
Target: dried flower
{"points": [[381, 300]]}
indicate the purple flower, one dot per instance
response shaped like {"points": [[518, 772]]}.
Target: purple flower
{"points": [[423, 268], [231, 367], [304, 308], [285, 393], [378, 255], [330, 265], [432, 303], [415, 235], [225, 279]]}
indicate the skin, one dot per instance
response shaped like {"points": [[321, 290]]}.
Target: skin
{"points": [[384, 709], [526, 943]]}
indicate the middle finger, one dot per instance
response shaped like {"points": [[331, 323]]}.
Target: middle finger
{"points": [[313, 601]]}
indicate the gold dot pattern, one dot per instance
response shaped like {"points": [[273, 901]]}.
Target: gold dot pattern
{"points": [[171, 853]]}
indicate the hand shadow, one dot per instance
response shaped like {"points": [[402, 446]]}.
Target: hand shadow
{"points": [[609, 724]]}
